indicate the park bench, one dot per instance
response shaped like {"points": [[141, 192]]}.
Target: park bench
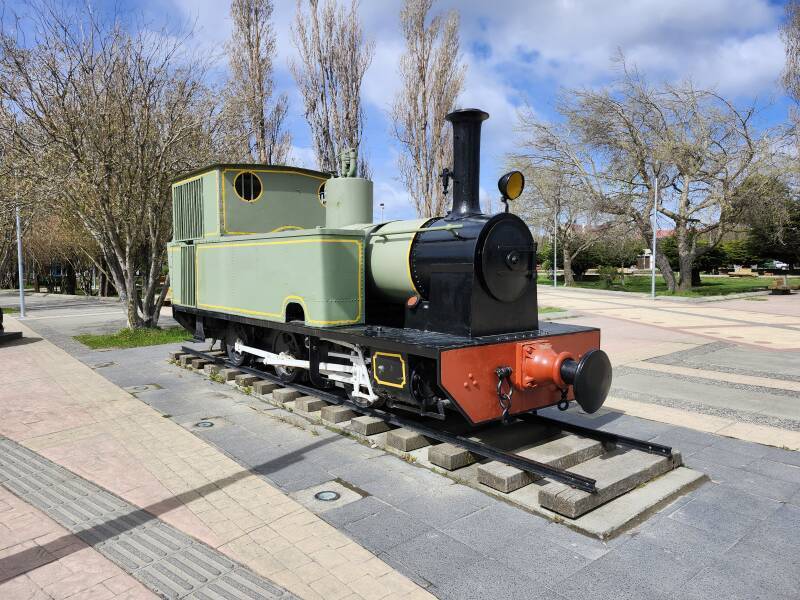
{"points": [[742, 272]]}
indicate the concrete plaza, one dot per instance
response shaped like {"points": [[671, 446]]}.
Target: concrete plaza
{"points": [[719, 381]]}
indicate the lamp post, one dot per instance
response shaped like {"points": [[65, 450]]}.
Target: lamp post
{"points": [[653, 255], [555, 249], [381, 205]]}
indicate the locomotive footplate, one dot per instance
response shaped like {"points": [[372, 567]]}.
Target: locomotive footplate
{"points": [[427, 372]]}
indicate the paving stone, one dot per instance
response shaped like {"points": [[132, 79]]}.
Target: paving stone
{"points": [[385, 529], [262, 386], [489, 578], [355, 511], [737, 502], [367, 425], [282, 395], [199, 363], [211, 369], [633, 570], [748, 481], [309, 404], [708, 517], [446, 504], [336, 414], [776, 470], [229, 374], [435, 555], [450, 457], [616, 473], [406, 440], [164, 559], [493, 528], [562, 453], [245, 379]]}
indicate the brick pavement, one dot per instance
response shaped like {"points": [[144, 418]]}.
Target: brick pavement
{"points": [[39, 559], [770, 324], [62, 409]]}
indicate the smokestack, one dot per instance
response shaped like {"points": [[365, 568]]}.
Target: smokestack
{"points": [[466, 161]]}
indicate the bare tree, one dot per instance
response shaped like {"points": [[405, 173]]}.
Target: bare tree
{"points": [[432, 77], [112, 117], [333, 59], [790, 32], [256, 119], [617, 141], [553, 201]]}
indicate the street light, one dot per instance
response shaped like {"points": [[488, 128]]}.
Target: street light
{"points": [[381, 205], [555, 249], [653, 255]]}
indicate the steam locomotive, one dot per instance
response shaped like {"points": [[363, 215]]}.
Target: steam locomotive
{"points": [[433, 316]]}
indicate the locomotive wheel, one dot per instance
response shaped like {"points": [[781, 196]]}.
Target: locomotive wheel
{"points": [[287, 343], [232, 336]]}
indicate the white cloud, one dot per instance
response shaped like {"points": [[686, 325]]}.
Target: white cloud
{"points": [[524, 51], [302, 156]]}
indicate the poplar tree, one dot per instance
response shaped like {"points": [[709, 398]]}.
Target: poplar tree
{"points": [[432, 76], [256, 117], [333, 58]]}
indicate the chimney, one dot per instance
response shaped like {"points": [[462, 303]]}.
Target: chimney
{"points": [[466, 161]]}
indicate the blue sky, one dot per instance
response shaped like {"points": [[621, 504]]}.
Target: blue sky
{"points": [[526, 51]]}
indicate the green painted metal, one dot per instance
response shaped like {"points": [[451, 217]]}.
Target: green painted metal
{"points": [[320, 270], [348, 201], [181, 258], [174, 260], [289, 199], [195, 207], [388, 268]]}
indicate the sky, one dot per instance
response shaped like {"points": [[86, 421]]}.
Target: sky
{"points": [[523, 53]]}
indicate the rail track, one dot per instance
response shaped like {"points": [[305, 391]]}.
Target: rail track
{"points": [[442, 433]]}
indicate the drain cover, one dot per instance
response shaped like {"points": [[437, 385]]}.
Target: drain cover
{"points": [[204, 424], [327, 496]]}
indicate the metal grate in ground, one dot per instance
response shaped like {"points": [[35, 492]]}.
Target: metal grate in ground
{"points": [[167, 561]]}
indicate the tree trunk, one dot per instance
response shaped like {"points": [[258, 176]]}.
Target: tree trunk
{"points": [[685, 262], [662, 262], [69, 281], [569, 276]]}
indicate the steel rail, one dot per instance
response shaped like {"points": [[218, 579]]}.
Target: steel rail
{"points": [[574, 480], [599, 435]]}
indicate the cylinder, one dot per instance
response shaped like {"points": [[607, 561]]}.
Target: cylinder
{"points": [[466, 161], [348, 201], [388, 270]]}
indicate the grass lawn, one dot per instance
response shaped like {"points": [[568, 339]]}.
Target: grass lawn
{"points": [[711, 286], [7, 310], [549, 309], [133, 338]]}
